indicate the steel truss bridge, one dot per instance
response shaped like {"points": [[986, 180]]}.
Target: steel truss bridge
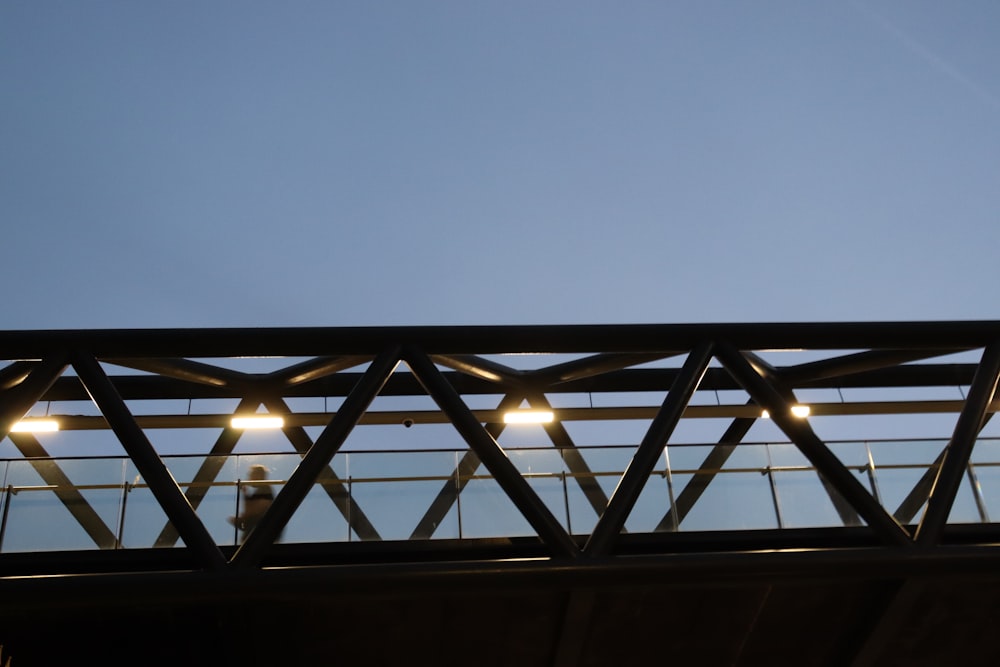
{"points": [[639, 538]]}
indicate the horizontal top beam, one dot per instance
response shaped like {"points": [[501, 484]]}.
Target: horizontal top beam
{"points": [[667, 338]]}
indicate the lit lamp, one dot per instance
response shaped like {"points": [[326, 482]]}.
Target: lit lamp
{"points": [[800, 411], [35, 426], [528, 417], [257, 422]]}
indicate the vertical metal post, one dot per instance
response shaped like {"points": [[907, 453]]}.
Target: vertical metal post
{"points": [[126, 490], [8, 495], [774, 487], [872, 480], [569, 525], [459, 485], [977, 494], [350, 505]]}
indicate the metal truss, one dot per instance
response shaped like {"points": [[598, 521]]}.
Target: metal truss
{"points": [[452, 364]]}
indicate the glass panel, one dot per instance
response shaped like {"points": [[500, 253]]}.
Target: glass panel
{"points": [[395, 490], [899, 466], [737, 497], [804, 500], [317, 518], [48, 514], [486, 511]]}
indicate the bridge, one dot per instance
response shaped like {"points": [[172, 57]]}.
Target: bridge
{"points": [[718, 494]]}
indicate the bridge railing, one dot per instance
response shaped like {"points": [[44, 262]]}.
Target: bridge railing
{"points": [[103, 502]]}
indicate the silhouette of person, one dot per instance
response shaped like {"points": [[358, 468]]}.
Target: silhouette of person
{"points": [[256, 499]]}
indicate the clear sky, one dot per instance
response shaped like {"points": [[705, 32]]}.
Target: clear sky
{"points": [[255, 163]]}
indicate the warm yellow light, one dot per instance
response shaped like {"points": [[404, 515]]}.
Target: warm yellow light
{"points": [[528, 417], [801, 411], [257, 422], [35, 426]]}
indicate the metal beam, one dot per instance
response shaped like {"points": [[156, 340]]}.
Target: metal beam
{"points": [[572, 457], [18, 401], [707, 471], [327, 478], [622, 501], [489, 452], [208, 471], [186, 371], [956, 455], [65, 490], [459, 478], [918, 495], [318, 458], [570, 339], [314, 369], [811, 446], [140, 450]]}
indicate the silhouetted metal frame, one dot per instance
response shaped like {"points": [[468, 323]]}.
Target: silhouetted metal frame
{"points": [[459, 478], [327, 444], [532, 385], [959, 449], [489, 452], [150, 466], [643, 462], [64, 489], [257, 390], [798, 431]]}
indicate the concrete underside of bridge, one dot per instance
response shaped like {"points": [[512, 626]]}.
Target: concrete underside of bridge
{"points": [[311, 606]]}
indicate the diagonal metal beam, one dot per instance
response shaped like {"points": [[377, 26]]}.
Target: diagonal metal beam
{"points": [[850, 364], [707, 471], [185, 369], [162, 484], [208, 471], [918, 495], [597, 364], [492, 456], [331, 483], [314, 369], [13, 374], [609, 526], [811, 446], [572, 457], [959, 449], [477, 367], [65, 490], [327, 444], [848, 515], [459, 478], [17, 401]]}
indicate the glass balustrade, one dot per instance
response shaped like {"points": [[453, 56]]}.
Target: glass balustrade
{"points": [[104, 503]]}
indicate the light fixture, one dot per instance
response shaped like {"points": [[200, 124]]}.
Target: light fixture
{"points": [[257, 422], [35, 426], [528, 417], [800, 411]]}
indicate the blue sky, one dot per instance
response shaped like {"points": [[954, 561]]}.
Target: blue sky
{"points": [[187, 164]]}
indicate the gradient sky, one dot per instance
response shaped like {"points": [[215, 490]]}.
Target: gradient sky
{"points": [[186, 164]]}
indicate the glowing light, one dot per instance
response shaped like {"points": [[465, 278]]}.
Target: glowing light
{"points": [[35, 426], [257, 422], [528, 417], [800, 411]]}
